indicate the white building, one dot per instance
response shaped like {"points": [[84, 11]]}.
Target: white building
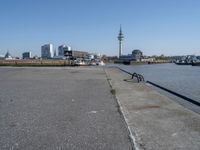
{"points": [[47, 51], [62, 49]]}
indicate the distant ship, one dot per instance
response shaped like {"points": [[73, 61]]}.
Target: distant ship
{"points": [[196, 64], [183, 62], [186, 60]]}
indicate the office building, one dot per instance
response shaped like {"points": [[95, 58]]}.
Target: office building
{"points": [[76, 54], [47, 51], [26, 55], [62, 49]]}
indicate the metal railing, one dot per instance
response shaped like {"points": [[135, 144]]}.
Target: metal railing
{"points": [[139, 77]]}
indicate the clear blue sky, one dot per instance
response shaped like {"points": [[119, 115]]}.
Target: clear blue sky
{"points": [[170, 27]]}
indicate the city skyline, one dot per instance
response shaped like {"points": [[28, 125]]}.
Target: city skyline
{"points": [[167, 27]]}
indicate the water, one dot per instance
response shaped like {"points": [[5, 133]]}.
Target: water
{"points": [[184, 80]]}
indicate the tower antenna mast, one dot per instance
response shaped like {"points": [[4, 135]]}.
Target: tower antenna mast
{"points": [[120, 38]]}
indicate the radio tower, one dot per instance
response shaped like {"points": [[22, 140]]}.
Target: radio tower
{"points": [[120, 38]]}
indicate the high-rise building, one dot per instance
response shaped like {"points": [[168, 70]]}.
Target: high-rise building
{"points": [[26, 55], [47, 51], [120, 38], [62, 49]]}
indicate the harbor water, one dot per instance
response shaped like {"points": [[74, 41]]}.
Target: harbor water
{"points": [[182, 79]]}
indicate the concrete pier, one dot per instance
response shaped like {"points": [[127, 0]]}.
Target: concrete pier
{"points": [[87, 108], [155, 122], [59, 109]]}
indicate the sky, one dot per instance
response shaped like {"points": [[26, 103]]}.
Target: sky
{"points": [[169, 27]]}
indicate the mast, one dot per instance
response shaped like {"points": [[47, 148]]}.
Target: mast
{"points": [[120, 38]]}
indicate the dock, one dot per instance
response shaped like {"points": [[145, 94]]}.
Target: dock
{"points": [[59, 108], [87, 108]]}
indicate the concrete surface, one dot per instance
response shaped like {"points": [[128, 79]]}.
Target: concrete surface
{"points": [[59, 108], [154, 121]]}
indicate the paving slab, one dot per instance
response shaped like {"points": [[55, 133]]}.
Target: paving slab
{"points": [[154, 121], [59, 109]]}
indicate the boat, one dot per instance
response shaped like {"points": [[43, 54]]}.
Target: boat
{"points": [[183, 63], [196, 64], [186, 60]]}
